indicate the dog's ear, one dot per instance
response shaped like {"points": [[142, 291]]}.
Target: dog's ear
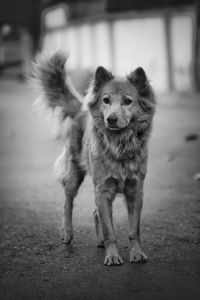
{"points": [[139, 79], [146, 95], [101, 77]]}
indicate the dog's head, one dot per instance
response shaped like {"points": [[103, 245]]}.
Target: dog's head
{"points": [[114, 103]]}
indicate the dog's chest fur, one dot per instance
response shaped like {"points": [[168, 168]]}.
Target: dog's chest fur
{"points": [[105, 156]]}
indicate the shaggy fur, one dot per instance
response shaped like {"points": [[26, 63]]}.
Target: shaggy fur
{"points": [[108, 140], [53, 75]]}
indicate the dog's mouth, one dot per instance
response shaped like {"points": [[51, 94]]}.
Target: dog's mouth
{"points": [[115, 127]]}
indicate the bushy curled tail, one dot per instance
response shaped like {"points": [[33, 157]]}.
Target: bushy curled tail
{"points": [[57, 88]]}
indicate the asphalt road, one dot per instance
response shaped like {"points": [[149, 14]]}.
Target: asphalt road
{"points": [[34, 262]]}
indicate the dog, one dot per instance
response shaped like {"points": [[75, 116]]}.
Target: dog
{"points": [[108, 139]]}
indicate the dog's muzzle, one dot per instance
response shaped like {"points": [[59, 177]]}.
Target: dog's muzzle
{"points": [[112, 121]]}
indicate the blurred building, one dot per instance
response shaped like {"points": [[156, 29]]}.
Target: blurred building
{"points": [[159, 35], [19, 34], [162, 36]]}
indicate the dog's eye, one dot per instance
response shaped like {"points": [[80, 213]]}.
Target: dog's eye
{"points": [[106, 100], [128, 101]]}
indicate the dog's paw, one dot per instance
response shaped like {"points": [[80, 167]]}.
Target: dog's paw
{"points": [[66, 236], [113, 260], [137, 256]]}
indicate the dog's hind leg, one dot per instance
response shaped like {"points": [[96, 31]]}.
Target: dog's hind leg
{"points": [[134, 198], [71, 184], [100, 242]]}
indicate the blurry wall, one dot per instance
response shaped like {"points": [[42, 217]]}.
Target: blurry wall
{"points": [[24, 14], [182, 47], [163, 44]]}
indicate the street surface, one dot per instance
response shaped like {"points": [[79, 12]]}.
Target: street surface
{"points": [[34, 262]]}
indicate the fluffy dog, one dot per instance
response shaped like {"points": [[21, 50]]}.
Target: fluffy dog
{"points": [[108, 139]]}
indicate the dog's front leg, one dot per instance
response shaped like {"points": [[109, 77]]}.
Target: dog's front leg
{"points": [[134, 199], [104, 197]]}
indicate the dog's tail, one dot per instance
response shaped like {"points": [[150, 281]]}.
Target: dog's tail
{"points": [[57, 88]]}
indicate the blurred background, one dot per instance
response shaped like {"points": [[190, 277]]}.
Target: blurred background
{"points": [[160, 35]]}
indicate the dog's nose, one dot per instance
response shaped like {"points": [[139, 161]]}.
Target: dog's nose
{"points": [[112, 120]]}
